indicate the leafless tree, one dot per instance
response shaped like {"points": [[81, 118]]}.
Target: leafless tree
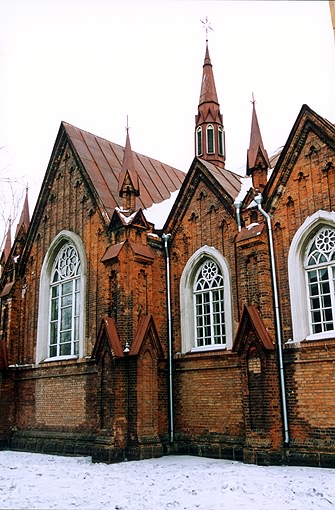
{"points": [[11, 194]]}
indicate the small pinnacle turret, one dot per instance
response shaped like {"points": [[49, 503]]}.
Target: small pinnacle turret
{"points": [[257, 158], [8, 244], [128, 181], [24, 221]]}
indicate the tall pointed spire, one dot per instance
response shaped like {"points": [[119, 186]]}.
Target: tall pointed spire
{"points": [[209, 132], [257, 158], [128, 186], [25, 217]]}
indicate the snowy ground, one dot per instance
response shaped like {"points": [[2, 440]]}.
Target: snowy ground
{"points": [[37, 481]]}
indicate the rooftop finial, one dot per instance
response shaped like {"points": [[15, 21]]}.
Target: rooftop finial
{"points": [[127, 126], [207, 26], [253, 100]]}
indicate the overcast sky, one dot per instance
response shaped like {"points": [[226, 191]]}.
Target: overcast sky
{"points": [[93, 62]]}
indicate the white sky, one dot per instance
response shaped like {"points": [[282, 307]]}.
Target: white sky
{"points": [[171, 483], [93, 62]]}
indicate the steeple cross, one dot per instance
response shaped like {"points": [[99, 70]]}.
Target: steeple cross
{"points": [[127, 126], [207, 26]]}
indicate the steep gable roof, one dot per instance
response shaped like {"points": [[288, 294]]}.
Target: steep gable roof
{"points": [[146, 329], [307, 121], [224, 183], [109, 332], [100, 162], [103, 163], [251, 320]]}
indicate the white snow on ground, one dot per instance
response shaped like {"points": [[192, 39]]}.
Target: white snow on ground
{"points": [[29, 480]]}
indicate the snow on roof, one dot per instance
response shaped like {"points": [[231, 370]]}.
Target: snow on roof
{"points": [[158, 213], [246, 184], [126, 219]]}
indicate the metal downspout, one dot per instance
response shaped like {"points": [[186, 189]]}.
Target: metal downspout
{"points": [[258, 200], [166, 238], [238, 205]]}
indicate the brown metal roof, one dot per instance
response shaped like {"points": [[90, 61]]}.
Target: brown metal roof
{"points": [[6, 290], [103, 162], [250, 232], [108, 328], [230, 181], [252, 319], [256, 143]]}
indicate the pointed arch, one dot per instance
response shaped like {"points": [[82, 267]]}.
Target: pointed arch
{"points": [[302, 307], [198, 141], [206, 306], [210, 139], [221, 141], [61, 335]]}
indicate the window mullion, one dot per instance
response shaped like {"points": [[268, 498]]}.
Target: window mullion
{"points": [[331, 291], [211, 307]]}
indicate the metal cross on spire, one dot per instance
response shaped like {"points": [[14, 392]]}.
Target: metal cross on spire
{"points": [[127, 126], [253, 101], [207, 26]]}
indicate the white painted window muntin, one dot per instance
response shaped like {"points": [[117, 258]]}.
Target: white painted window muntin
{"points": [[187, 316], [297, 275], [319, 265], [65, 303], [209, 305], [44, 295]]}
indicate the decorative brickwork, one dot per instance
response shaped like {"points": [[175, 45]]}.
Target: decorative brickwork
{"points": [[151, 357]]}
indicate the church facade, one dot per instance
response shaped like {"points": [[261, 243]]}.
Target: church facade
{"points": [[210, 334]]}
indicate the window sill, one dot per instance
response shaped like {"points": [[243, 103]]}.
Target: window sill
{"points": [[206, 348], [59, 358], [321, 336]]}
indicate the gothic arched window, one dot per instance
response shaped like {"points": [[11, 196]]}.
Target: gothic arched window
{"points": [[320, 276], [65, 303], [209, 305], [206, 310], [61, 311], [199, 141], [210, 139]]}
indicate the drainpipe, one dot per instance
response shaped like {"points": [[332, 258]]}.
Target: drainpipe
{"points": [[166, 238], [238, 205], [258, 199]]}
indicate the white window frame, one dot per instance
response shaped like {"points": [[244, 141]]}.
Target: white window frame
{"points": [[221, 141], [198, 145], [42, 345], [326, 267], [187, 309], [207, 283], [210, 127], [297, 276]]}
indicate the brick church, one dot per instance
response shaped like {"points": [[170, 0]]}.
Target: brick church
{"points": [[148, 311]]}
